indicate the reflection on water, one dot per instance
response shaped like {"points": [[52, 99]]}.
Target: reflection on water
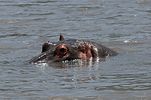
{"points": [[121, 25]]}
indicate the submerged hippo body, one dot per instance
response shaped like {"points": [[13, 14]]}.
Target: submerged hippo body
{"points": [[71, 49]]}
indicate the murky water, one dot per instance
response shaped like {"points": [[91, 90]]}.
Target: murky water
{"points": [[124, 25]]}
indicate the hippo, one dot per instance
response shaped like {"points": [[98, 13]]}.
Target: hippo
{"points": [[71, 49]]}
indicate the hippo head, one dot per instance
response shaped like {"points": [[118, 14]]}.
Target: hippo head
{"points": [[63, 50], [71, 49]]}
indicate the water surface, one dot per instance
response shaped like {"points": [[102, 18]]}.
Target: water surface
{"points": [[124, 25]]}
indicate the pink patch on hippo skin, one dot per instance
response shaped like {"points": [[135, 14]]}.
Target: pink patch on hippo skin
{"points": [[85, 51]]}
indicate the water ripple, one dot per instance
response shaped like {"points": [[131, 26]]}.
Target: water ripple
{"points": [[12, 35]]}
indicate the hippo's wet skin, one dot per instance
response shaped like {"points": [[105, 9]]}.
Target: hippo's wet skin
{"points": [[71, 49]]}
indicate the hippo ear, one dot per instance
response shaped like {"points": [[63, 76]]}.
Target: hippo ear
{"points": [[61, 38], [45, 47]]}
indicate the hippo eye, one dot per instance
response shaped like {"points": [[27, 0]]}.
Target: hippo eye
{"points": [[62, 50]]}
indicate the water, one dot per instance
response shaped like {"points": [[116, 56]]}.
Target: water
{"points": [[123, 25]]}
